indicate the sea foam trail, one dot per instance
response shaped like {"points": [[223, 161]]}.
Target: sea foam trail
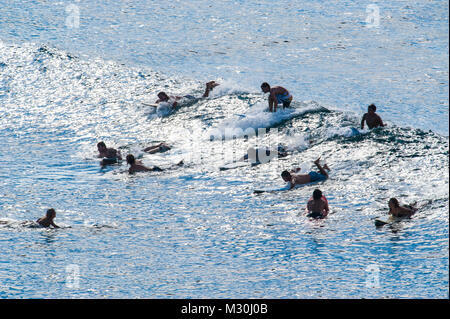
{"points": [[258, 117]]}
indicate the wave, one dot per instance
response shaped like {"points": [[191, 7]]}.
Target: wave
{"points": [[258, 117]]}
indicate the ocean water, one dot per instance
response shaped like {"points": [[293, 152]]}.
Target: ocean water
{"points": [[73, 73]]}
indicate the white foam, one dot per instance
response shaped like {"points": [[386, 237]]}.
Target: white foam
{"points": [[258, 117], [344, 131]]}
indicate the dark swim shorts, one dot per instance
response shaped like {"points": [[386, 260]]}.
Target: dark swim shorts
{"points": [[286, 104], [316, 215], [315, 177]]}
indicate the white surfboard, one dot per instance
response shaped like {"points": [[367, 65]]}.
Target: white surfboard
{"points": [[150, 104]]}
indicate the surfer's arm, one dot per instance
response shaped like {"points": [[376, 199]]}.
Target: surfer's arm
{"points": [[209, 87], [292, 183], [54, 225], [309, 206], [206, 94], [362, 121], [273, 102], [326, 209], [381, 121]]}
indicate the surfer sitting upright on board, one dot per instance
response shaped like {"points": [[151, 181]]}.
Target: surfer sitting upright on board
{"points": [[103, 151], [317, 205], [278, 95], [172, 100], [372, 118], [400, 211], [300, 179], [109, 155]]}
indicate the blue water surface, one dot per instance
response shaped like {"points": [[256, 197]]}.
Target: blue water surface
{"points": [[73, 73]]}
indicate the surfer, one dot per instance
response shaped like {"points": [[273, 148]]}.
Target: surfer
{"points": [[159, 148], [278, 95], [258, 156], [317, 205], [300, 179], [47, 220], [400, 211], [371, 118], [136, 166], [103, 151], [109, 155], [172, 100]]}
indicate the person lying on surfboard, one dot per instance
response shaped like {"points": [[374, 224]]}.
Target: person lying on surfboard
{"points": [[172, 100], [159, 148], [400, 211], [317, 206], [47, 220], [136, 166], [300, 179], [278, 95], [371, 118]]}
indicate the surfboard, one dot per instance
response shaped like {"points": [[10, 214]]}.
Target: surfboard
{"points": [[233, 166], [381, 221], [270, 190], [150, 104], [355, 131], [110, 161]]}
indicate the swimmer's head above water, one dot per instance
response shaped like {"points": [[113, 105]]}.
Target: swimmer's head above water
{"points": [[101, 146], [286, 176], [317, 194], [130, 159]]}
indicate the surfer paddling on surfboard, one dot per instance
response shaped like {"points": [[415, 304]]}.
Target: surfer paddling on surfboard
{"points": [[136, 166], [400, 211], [317, 206], [278, 95], [172, 100], [300, 179], [47, 220], [396, 212]]}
